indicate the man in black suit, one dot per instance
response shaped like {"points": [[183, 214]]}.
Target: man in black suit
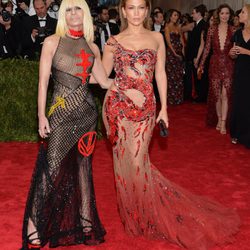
{"points": [[158, 22], [193, 44], [104, 28], [9, 32], [35, 29]]}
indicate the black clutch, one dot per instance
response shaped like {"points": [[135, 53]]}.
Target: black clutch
{"points": [[163, 129]]}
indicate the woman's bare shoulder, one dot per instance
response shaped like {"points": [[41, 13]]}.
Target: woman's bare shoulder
{"points": [[155, 35], [52, 40], [50, 45], [120, 36]]}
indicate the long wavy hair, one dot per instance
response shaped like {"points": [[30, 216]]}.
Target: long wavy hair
{"points": [[169, 15], [124, 22], [216, 20], [62, 27]]}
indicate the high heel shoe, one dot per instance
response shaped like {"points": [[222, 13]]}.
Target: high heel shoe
{"points": [[223, 130], [234, 140], [31, 245], [218, 126]]}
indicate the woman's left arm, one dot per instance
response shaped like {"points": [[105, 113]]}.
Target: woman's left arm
{"points": [[161, 79], [98, 71]]}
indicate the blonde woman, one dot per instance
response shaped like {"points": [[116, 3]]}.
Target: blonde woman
{"points": [[61, 208]]}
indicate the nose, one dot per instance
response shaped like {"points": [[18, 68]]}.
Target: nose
{"points": [[136, 11], [73, 11]]}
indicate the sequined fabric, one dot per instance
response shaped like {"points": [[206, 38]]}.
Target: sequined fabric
{"points": [[61, 200], [221, 68], [175, 71], [148, 203]]}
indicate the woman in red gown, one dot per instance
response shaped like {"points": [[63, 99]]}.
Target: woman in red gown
{"points": [[149, 204], [220, 68]]}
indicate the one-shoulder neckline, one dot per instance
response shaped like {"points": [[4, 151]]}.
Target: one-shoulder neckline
{"points": [[133, 50]]}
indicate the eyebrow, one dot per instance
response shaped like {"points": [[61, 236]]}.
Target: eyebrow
{"points": [[143, 4]]}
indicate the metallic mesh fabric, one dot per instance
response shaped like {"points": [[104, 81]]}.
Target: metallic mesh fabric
{"points": [[61, 200]]}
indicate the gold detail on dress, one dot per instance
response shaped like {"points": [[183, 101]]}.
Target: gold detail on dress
{"points": [[59, 102]]}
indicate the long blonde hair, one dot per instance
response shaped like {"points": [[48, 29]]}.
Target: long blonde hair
{"points": [[124, 22], [62, 27], [248, 12]]}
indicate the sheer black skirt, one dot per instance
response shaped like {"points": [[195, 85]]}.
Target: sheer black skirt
{"points": [[61, 201]]}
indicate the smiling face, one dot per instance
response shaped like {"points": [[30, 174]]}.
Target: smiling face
{"points": [[74, 17], [224, 15], [174, 17], [135, 11]]}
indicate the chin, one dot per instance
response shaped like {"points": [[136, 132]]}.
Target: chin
{"points": [[136, 23]]}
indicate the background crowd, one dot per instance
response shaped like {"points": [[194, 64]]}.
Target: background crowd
{"points": [[205, 52]]}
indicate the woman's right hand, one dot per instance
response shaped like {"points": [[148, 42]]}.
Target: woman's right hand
{"points": [[233, 52], [179, 57], [44, 128], [200, 71]]}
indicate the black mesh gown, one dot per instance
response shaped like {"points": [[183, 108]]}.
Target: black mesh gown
{"points": [[61, 201]]}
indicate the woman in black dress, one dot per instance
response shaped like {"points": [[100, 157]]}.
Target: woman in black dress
{"points": [[240, 118], [61, 206], [174, 58]]}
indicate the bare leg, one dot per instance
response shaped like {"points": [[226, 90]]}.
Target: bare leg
{"points": [[224, 110], [32, 233], [218, 112]]}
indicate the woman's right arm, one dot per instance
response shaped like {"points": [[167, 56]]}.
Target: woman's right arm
{"points": [[108, 58], [206, 49], [47, 54], [233, 52]]}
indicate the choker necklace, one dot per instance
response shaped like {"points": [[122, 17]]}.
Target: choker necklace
{"points": [[76, 33]]}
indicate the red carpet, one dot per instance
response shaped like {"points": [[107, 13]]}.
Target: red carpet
{"points": [[196, 157]]}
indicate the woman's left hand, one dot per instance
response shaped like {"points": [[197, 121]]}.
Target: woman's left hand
{"points": [[163, 115]]}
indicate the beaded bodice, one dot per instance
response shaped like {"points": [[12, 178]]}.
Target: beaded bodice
{"points": [[133, 83], [134, 68]]}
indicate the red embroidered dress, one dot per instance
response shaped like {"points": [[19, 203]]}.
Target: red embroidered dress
{"points": [[221, 68], [149, 204]]}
